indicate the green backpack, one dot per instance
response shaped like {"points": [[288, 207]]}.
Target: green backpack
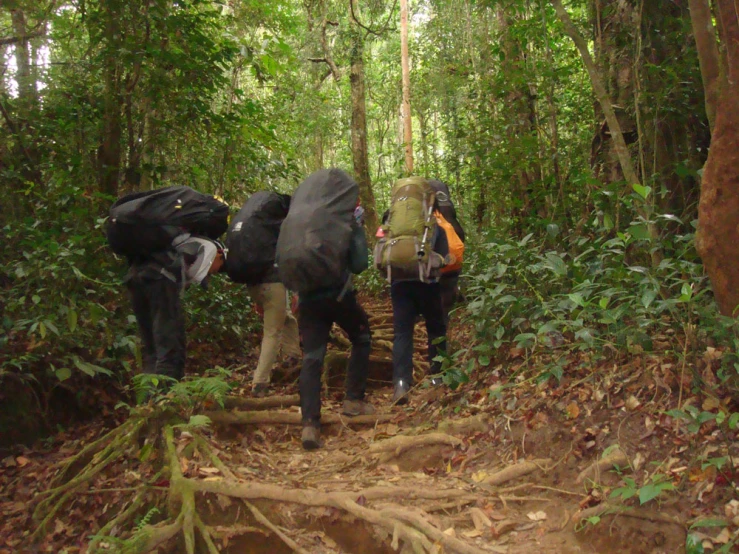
{"points": [[409, 229]]}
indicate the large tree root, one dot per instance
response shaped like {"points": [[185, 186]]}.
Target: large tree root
{"points": [[266, 403], [394, 447], [514, 472], [379, 506], [292, 418], [603, 510], [594, 471]]}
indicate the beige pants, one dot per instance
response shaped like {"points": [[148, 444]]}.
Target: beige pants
{"points": [[280, 328]]}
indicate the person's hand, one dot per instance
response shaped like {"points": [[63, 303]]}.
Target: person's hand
{"points": [[359, 215]]}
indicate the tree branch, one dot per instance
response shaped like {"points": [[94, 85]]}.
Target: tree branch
{"points": [[383, 29], [5, 41]]}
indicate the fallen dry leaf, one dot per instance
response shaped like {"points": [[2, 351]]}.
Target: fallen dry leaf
{"points": [[22, 461], [632, 403], [573, 410], [537, 516]]}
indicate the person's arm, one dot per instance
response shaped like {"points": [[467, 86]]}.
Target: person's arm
{"points": [[198, 255], [441, 244], [358, 250]]}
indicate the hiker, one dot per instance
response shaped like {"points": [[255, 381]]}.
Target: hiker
{"points": [[412, 250], [251, 241], [155, 231], [447, 218], [321, 244]]}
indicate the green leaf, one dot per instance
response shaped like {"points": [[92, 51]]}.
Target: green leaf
{"points": [[52, 327], [733, 421], [199, 421], [642, 191], [484, 361], [36, 299], [525, 340], [63, 373], [42, 330], [577, 298], [686, 293], [91, 369], [72, 320], [607, 222], [694, 545], [145, 452], [710, 522], [603, 302], [651, 491], [648, 297], [639, 231]]}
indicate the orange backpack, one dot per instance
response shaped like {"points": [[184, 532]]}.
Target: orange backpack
{"points": [[456, 246]]}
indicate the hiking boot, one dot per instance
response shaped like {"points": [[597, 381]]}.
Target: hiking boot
{"points": [[311, 437], [357, 407], [260, 389], [400, 395]]}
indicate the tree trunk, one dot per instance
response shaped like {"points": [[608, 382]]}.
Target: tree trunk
{"points": [[718, 233], [405, 68], [705, 40], [26, 86], [109, 151], [359, 128]]}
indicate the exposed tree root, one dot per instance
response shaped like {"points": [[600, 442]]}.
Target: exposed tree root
{"points": [[261, 518], [266, 403], [593, 472], [465, 426], [292, 418], [514, 472], [395, 446], [638, 513]]}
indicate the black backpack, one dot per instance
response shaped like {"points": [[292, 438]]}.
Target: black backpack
{"points": [[313, 247], [252, 237], [143, 223]]}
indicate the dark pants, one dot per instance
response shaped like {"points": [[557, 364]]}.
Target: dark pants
{"points": [[449, 288], [411, 298], [315, 320], [158, 311]]}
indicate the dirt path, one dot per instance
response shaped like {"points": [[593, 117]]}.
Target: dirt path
{"points": [[486, 468]]}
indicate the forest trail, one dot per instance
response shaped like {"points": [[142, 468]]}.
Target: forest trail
{"points": [[504, 468]]}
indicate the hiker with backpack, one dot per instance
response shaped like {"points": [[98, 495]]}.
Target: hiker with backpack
{"points": [[446, 217], [411, 251], [321, 245], [168, 237], [252, 242]]}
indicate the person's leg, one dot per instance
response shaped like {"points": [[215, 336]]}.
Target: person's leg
{"points": [[142, 310], [449, 286], [404, 315], [351, 317], [272, 298], [168, 327], [314, 327], [291, 336], [433, 313]]}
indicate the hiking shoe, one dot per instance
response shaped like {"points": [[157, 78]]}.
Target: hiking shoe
{"points": [[357, 407], [311, 437], [260, 389], [400, 395]]}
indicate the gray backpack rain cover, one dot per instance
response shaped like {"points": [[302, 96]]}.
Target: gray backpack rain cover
{"points": [[313, 247]]}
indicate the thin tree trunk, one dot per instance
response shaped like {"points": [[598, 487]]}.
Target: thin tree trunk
{"points": [[26, 86], [360, 155], [406, 74], [622, 151], [601, 95], [718, 213], [708, 57]]}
